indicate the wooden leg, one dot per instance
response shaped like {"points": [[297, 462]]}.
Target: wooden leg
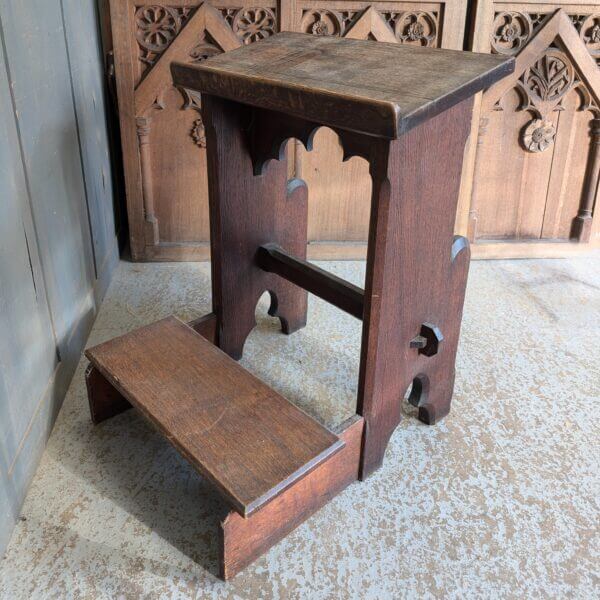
{"points": [[416, 278], [246, 211], [105, 401], [206, 326]]}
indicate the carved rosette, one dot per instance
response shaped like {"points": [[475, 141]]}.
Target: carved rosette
{"points": [[538, 135], [198, 133], [417, 28], [192, 100], [590, 33], [253, 24], [510, 32], [322, 22], [156, 27]]}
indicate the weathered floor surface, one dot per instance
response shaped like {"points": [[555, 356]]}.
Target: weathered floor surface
{"points": [[500, 500]]}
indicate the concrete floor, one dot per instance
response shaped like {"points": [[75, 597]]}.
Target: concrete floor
{"points": [[500, 500]]}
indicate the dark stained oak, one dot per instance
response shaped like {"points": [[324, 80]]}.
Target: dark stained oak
{"points": [[105, 401], [206, 326], [244, 540], [346, 296], [379, 89], [416, 275], [407, 112], [249, 441], [245, 212]]}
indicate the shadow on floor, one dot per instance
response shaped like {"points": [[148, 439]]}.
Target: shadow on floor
{"points": [[129, 464]]}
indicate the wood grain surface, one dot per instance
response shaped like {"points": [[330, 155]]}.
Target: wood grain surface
{"points": [[249, 441], [244, 540], [352, 84], [343, 294], [245, 212], [533, 160], [416, 274]]}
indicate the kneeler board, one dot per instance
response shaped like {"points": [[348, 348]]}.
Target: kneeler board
{"points": [[272, 464]]}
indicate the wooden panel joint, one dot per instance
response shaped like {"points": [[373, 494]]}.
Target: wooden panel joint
{"points": [[346, 296]]}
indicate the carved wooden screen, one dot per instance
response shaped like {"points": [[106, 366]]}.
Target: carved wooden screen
{"points": [[537, 162], [162, 132], [161, 128], [339, 193]]}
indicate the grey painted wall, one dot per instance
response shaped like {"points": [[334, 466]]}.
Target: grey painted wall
{"points": [[57, 233]]}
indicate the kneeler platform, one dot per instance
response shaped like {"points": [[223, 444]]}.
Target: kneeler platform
{"points": [[250, 442]]}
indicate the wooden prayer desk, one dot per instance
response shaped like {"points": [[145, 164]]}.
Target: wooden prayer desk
{"points": [[407, 111]]}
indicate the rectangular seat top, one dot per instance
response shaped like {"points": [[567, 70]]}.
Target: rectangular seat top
{"points": [[377, 88], [249, 441]]}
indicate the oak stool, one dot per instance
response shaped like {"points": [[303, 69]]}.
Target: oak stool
{"points": [[406, 110]]}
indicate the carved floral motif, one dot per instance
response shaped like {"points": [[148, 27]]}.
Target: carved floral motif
{"points": [[322, 22], [419, 28], [198, 133], [510, 32], [413, 27], [320, 28], [538, 135], [543, 87], [253, 24], [192, 100], [156, 27], [549, 78]]}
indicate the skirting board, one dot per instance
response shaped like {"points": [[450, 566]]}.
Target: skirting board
{"points": [[358, 251]]}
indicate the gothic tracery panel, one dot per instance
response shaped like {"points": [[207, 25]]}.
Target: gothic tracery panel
{"points": [[163, 134], [534, 174], [409, 26], [170, 136], [511, 30], [156, 26]]}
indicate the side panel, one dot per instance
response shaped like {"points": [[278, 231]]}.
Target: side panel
{"points": [[87, 75]]}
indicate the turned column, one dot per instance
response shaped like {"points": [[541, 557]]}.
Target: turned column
{"points": [[582, 224], [143, 125]]}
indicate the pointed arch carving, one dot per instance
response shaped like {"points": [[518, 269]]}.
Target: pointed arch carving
{"points": [[552, 61], [556, 78], [400, 26], [150, 34]]}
